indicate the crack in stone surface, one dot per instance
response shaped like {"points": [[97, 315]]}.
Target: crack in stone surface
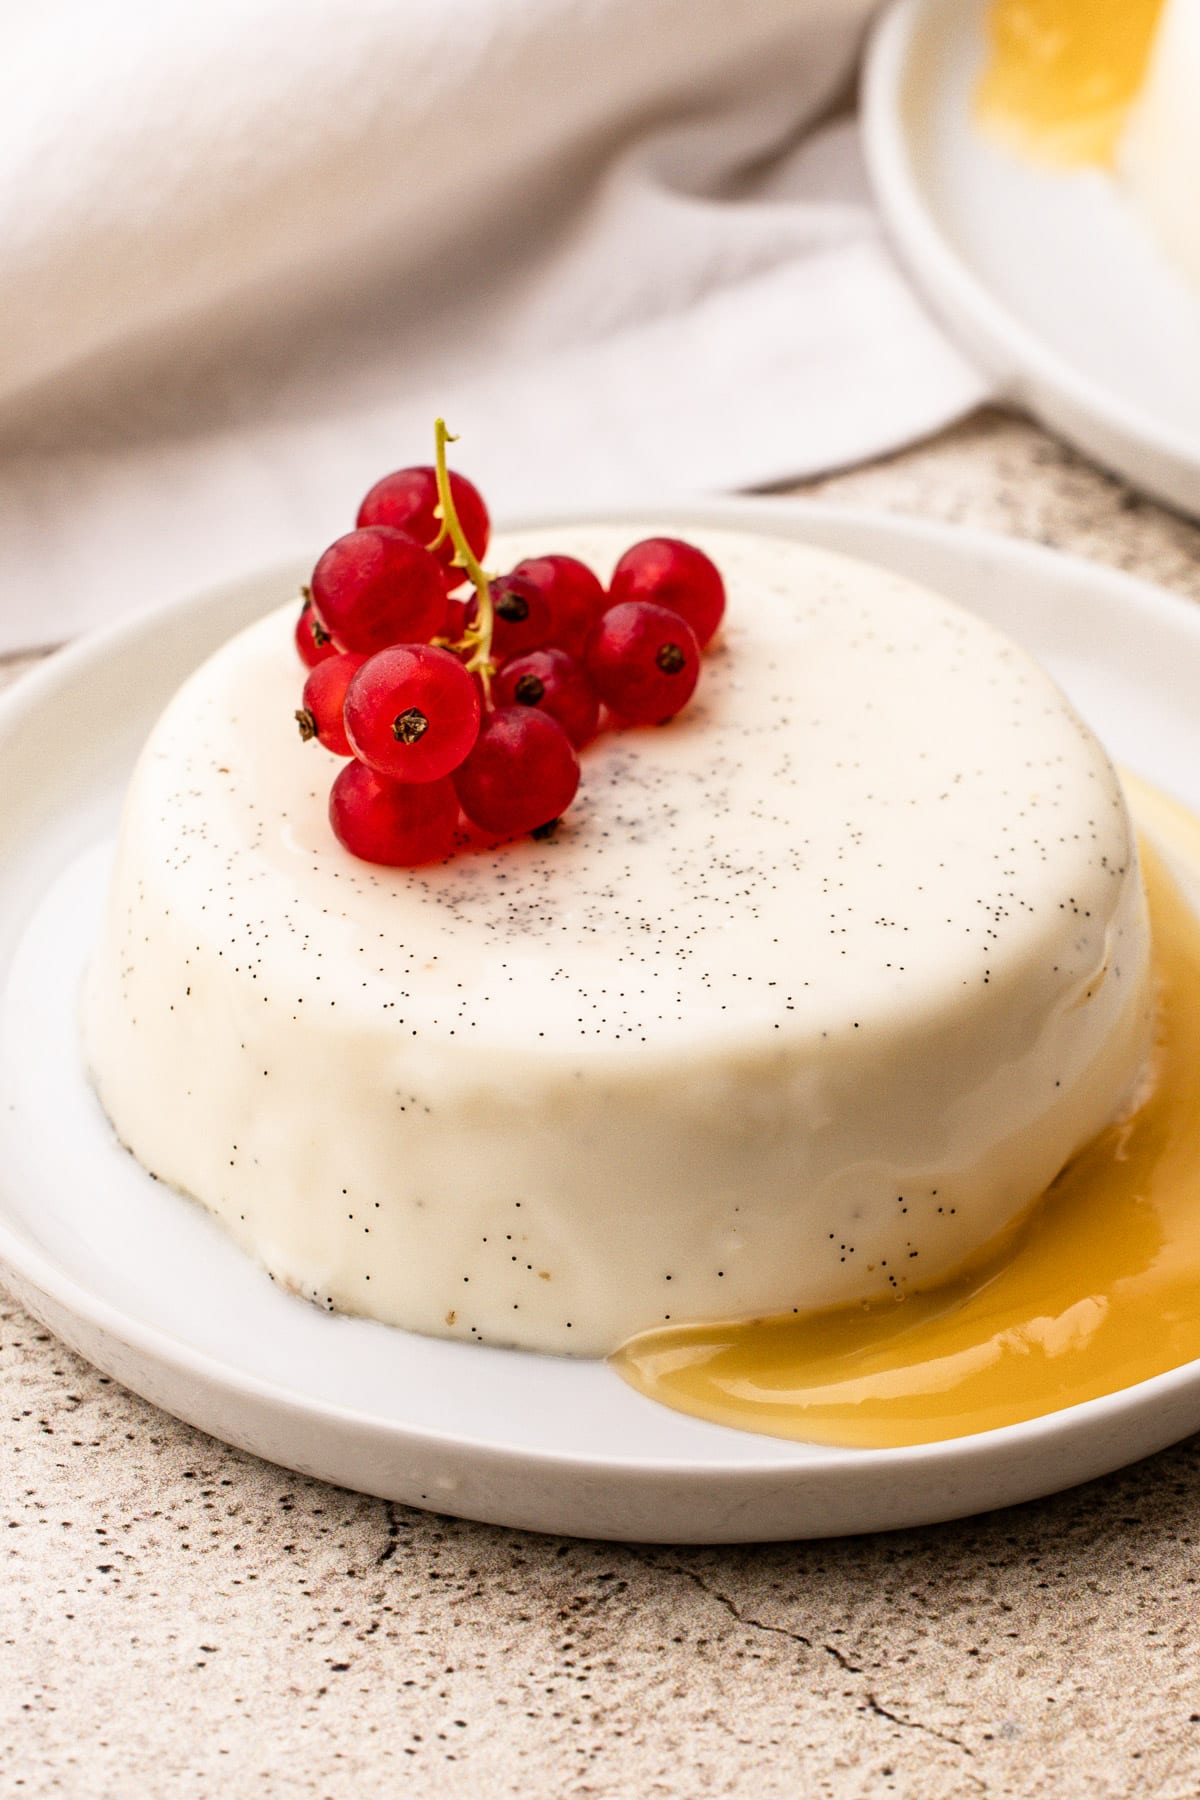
{"points": [[870, 1703], [751, 1623], [393, 1525]]}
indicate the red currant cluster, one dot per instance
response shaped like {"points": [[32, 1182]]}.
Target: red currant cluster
{"points": [[452, 701]]}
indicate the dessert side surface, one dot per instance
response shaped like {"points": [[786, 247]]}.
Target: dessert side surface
{"points": [[812, 994], [1160, 157]]}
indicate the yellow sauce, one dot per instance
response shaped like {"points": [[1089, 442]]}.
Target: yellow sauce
{"points": [[1061, 74], [1098, 1289]]}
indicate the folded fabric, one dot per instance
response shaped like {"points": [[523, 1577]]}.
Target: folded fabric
{"points": [[248, 250]]}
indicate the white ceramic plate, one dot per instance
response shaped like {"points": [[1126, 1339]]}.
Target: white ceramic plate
{"points": [[1045, 276], [145, 1285]]}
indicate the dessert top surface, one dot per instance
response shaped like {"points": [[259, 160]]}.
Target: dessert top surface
{"points": [[874, 806]]}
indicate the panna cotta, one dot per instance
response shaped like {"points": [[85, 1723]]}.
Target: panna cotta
{"points": [[1160, 153], [812, 994], [1114, 86], [1060, 75]]}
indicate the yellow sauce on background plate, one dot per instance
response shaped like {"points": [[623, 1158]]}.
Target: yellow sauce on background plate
{"points": [[1061, 75], [1097, 1289]]}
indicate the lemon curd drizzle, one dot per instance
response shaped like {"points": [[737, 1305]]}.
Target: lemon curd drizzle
{"points": [[1099, 1287], [1061, 75]]}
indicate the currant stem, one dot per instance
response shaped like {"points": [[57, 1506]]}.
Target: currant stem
{"points": [[478, 637]]}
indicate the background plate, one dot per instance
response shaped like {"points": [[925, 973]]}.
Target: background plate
{"points": [[1047, 277], [147, 1287]]}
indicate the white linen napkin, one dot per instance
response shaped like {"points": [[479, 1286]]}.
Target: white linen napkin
{"points": [[249, 249]]}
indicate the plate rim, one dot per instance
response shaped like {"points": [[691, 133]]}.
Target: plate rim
{"points": [[1100, 422], [36, 1269]]}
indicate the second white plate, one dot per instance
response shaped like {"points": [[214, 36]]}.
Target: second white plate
{"points": [[147, 1287], [1046, 276]]}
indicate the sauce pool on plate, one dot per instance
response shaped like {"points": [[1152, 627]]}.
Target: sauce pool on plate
{"points": [[1099, 1288]]}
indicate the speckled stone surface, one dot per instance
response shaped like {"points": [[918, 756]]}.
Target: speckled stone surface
{"points": [[179, 1619]]}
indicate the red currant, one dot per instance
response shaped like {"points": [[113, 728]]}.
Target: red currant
{"points": [[377, 587], [459, 613], [312, 640], [412, 712], [523, 618], [521, 775], [393, 822], [674, 574], [644, 661], [557, 684], [324, 701], [408, 499], [576, 596]]}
